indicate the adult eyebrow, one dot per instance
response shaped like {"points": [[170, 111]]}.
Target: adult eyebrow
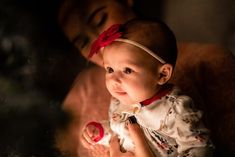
{"points": [[92, 15], [89, 19]]}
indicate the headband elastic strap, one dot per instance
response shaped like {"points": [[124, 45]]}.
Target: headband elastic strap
{"points": [[141, 47]]}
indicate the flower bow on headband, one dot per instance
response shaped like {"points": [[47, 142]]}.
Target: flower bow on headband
{"points": [[105, 38], [114, 33]]}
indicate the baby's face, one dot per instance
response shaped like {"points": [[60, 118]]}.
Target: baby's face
{"points": [[131, 73], [82, 25]]}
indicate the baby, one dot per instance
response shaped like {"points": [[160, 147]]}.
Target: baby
{"points": [[139, 58]]}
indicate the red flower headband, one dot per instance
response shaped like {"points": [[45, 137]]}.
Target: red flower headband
{"points": [[114, 33], [105, 38]]}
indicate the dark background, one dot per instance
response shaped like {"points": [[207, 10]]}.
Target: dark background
{"points": [[37, 67], [38, 64]]}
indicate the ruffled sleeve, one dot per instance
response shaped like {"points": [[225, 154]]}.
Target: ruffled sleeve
{"points": [[183, 123]]}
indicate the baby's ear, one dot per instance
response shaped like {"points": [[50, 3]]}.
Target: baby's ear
{"points": [[165, 72]]}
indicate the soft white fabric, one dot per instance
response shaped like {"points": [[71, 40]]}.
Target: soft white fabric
{"points": [[172, 126]]}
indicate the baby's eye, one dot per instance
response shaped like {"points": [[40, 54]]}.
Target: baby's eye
{"points": [[128, 70], [109, 70]]}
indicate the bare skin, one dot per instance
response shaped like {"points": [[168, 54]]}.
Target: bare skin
{"points": [[207, 78], [142, 149]]}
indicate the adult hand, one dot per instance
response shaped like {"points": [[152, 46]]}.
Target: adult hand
{"points": [[141, 147]]}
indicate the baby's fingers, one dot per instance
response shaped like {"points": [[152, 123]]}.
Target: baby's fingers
{"points": [[86, 140]]}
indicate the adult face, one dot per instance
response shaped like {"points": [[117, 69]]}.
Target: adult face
{"points": [[84, 21]]}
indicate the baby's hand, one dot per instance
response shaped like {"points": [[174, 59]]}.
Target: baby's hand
{"points": [[91, 134]]}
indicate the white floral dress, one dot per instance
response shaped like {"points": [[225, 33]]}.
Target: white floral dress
{"points": [[171, 124]]}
